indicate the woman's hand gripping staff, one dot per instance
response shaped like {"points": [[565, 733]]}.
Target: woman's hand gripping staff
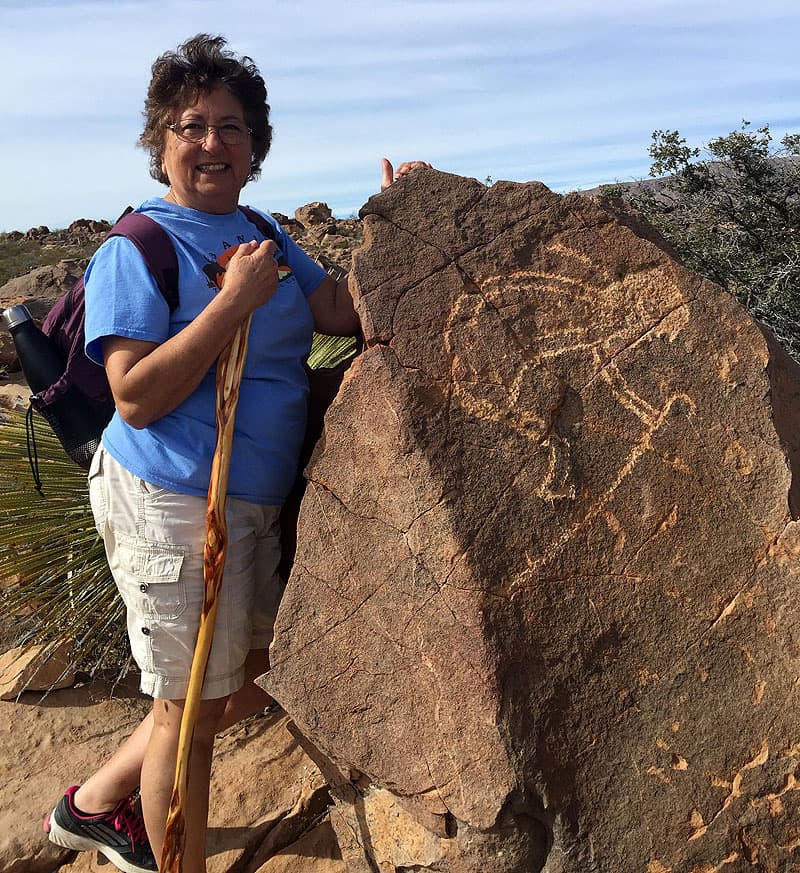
{"points": [[150, 380]]}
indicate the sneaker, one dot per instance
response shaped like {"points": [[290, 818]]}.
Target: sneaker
{"points": [[119, 834]]}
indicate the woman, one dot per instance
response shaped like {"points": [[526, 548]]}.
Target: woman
{"points": [[207, 129]]}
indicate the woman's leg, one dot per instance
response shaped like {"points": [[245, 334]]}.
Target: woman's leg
{"points": [[158, 771], [176, 522], [119, 776], [249, 699]]}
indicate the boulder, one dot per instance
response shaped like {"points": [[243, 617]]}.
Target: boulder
{"points": [[89, 226], [14, 395], [543, 612], [293, 228], [35, 668], [313, 214]]}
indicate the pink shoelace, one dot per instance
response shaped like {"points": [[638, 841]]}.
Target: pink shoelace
{"points": [[127, 821]]}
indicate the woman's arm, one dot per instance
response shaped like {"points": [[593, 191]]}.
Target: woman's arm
{"points": [[332, 307], [149, 380]]}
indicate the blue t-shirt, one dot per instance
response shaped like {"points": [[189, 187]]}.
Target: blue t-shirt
{"points": [[175, 451]]}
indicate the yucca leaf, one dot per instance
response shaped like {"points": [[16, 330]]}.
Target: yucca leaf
{"points": [[328, 351]]}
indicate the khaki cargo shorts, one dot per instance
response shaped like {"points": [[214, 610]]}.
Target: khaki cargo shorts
{"points": [[154, 541]]}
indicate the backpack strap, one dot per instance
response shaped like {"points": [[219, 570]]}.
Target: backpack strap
{"points": [[266, 227], [156, 248]]}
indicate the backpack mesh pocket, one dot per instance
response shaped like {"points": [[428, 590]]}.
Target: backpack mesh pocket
{"points": [[77, 421]]}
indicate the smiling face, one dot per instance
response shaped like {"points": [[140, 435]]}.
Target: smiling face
{"points": [[209, 175]]}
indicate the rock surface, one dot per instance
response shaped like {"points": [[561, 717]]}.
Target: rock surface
{"points": [[268, 800], [313, 214], [14, 395], [543, 614], [34, 668]]}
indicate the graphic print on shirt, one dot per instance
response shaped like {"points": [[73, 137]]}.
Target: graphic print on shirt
{"points": [[215, 268]]}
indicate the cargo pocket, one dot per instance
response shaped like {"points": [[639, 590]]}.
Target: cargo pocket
{"points": [[149, 580]]}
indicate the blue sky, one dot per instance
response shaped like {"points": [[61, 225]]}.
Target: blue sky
{"points": [[567, 93]]}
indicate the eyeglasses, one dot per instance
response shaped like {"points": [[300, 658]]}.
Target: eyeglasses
{"points": [[230, 133]]}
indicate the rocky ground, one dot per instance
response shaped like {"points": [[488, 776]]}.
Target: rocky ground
{"points": [[268, 799]]}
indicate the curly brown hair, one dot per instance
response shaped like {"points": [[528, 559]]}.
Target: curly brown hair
{"points": [[195, 68]]}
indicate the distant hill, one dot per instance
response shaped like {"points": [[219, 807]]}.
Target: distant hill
{"points": [[657, 185]]}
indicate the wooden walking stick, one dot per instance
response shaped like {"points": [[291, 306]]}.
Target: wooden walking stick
{"points": [[229, 376]]}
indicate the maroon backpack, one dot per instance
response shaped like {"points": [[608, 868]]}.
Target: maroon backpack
{"points": [[79, 404]]}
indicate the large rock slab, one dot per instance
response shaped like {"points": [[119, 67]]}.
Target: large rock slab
{"points": [[543, 613]]}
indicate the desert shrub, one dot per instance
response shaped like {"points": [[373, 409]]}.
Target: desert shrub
{"points": [[732, 213]]}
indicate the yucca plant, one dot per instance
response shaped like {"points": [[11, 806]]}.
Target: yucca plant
{"points": [[51, 553]]}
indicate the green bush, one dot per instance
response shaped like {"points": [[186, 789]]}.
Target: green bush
{"points": [[732, 213]]}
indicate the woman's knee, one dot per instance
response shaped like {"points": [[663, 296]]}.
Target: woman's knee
{"points": [[167, 716]]}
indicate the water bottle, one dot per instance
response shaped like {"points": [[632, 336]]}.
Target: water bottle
{"points": [[40, 360], [76, 420]]}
